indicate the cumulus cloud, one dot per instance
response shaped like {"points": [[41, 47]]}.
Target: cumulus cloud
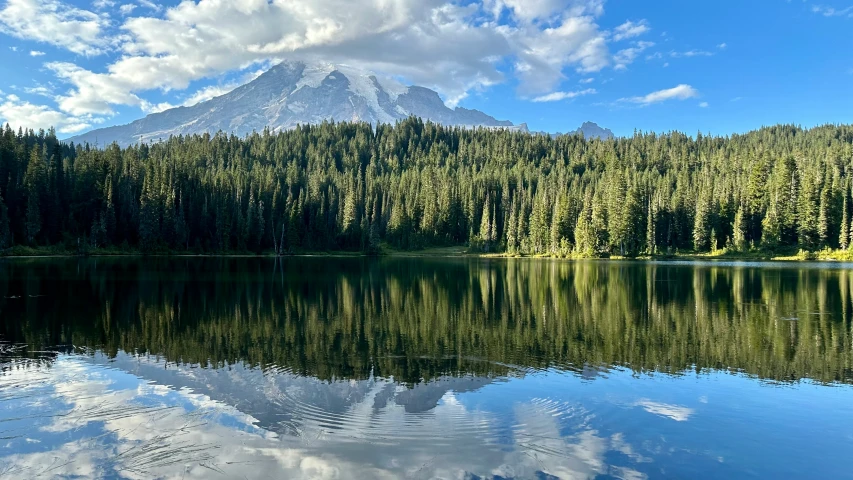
{"points": [[544, 42], [630, 29], [36, 53], [414, 39], [703, 105], [17, 112], [557, 96], [680, 92], [50, 21]]}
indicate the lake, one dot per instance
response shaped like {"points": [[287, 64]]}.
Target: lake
{"points": [[458, 368]]}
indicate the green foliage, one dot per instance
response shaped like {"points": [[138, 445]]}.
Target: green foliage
{"points": [[350, 187]]}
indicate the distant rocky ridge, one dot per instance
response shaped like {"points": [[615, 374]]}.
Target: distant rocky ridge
{"points": [[294, 93], [592, 130]]}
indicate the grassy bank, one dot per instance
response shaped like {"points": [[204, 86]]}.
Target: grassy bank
{"points": [[452, 251]]}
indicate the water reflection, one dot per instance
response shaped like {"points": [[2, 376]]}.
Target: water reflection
{"points": [[416, 320], [350, 368]]}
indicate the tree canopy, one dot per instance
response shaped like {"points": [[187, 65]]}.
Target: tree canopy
{"points": [[352, 186]]}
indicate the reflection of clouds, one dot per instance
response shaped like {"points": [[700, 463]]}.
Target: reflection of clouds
{"points": [[117, 424], [675, 412], [617, 442]]}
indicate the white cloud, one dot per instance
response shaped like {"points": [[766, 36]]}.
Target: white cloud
{"points": [[55, 23], [586, 80], [630, 29], [703, 105], [722, 46], [557, 96], [691, 53], [94, 93], [832, 12], [680, 92], [208, 93], [148, 107], [24, 114], [413, 39], [126, 9], [625, 57], [36, 53], [151, 5], [40, 90]]}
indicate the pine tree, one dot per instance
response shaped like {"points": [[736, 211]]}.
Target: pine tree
{"points": [[844, 235], [823, 217], [702, 222], [5, 230], [512, 229], [486, 225], [739, 233], [539, 231], [109, 211], [651, 228], [35, 181], [585, 242], [771, 226], [181, 227], [149, 220], [33, 218]]}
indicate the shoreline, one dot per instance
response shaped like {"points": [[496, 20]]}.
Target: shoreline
{"points": [[841, 256]]}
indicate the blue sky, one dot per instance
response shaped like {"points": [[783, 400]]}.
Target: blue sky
{"points": [[716, 67]]}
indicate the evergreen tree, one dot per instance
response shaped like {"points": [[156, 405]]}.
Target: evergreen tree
{"points": [[739, 229], [5, 230], [486, 225], [702, 222], [844, 235], [316, 188], [771, 227]]}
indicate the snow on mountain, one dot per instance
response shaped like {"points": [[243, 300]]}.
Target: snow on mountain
{"points": [[294, 93]]}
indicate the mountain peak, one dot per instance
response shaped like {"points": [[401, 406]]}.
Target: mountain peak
{"points": [[592, 130], [293, 93]]}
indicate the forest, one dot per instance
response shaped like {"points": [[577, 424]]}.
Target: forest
{"points": [[362, 188]]}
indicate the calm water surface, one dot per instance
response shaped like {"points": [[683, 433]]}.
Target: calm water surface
{"points": [[424, 368]]}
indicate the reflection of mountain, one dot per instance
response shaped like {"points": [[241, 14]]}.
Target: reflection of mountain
{"points": [[88, 417], [283, 402], [417, 320]]}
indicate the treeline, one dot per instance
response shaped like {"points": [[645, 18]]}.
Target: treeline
{"points": [[416, 319], [345, 186]]}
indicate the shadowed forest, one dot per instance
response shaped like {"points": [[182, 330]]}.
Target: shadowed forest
{"points": [[352, 187]]}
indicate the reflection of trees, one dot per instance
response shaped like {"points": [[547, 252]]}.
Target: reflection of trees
{"points": [[414, 318]]}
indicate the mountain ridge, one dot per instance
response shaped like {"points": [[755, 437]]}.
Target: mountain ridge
{"points": [[294, 93]]}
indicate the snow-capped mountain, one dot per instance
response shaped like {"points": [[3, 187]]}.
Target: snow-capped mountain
{"points": [[294, 93]]}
